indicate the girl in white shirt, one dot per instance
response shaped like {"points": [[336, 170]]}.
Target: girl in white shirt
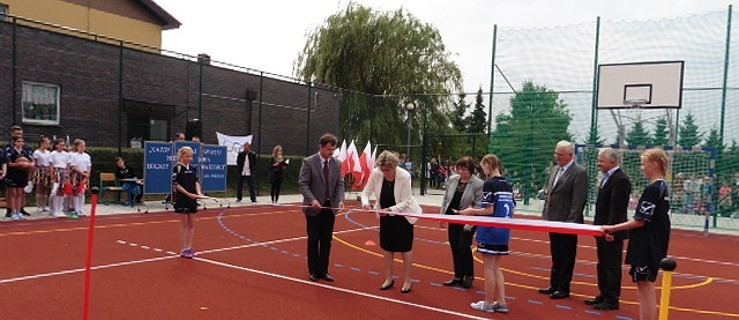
{"points": [[42, 175], [59, 159], [80, 166]]}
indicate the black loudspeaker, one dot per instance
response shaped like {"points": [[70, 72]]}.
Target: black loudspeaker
{"points": [[194, 128]]}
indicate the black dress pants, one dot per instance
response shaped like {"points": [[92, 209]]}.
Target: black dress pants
{"points": [[609, 268], [320, 233], [564, 249], [460, 242]]}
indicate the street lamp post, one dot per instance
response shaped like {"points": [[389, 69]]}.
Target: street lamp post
{"points": [[409, 107]]}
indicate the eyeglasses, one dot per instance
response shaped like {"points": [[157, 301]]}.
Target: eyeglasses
{"points": [[385, 169]]}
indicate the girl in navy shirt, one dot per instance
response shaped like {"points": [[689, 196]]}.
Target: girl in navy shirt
{"points": [[649, 234]]}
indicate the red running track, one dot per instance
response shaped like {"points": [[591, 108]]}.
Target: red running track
{"points": [[252, 265]]}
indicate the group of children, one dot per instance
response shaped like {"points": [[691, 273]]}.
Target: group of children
{"points": [[60, 177]]}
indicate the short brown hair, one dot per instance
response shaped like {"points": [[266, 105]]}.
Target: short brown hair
{"points": [[467, 162], [328, 139]]}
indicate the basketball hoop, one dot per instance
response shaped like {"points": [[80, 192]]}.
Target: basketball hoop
{"points": [[635, 103]]}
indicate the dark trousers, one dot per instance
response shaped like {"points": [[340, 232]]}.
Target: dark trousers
{"points": [[609, 268], [460, 242], [240, 188], [564, 249], [320, 233], [274, 192]]}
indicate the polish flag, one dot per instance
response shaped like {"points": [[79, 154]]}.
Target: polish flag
{"points": [[353, 164], [367, 165], [340, 152], [346, 164]]}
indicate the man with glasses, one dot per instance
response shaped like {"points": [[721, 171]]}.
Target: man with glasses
{"points": [[567, 192]]}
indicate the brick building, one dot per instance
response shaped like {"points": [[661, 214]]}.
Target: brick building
{"points": [[108, 91]]}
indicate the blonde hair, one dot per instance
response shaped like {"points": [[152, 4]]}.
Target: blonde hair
{"points": [[658, 156], [387, 158], [78, 143], [493, 162], [274, 150], [185, 150]]}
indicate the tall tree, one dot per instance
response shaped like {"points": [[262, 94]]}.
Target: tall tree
{"points": [[661, 134], [392, 57], [689, 135], [477, 120], [594, 137], [526, 137], [638, 135], [457, 116], [714, 140]]}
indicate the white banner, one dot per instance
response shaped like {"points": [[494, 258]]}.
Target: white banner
{"points": [[234, 145]]}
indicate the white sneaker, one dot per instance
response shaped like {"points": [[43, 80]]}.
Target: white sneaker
{"points": [[60, 215], [481, 306]]}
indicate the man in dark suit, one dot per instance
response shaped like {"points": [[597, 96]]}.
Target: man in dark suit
{"points": [[567, 193], [322, 187], [610, 209], [245, 161]]}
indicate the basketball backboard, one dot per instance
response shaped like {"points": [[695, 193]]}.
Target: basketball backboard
{"points": [[642, 84]]}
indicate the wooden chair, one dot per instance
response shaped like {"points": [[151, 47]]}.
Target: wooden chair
{"points": [[108, 182]]}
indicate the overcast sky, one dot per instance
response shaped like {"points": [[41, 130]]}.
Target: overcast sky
{"points": [[268, 35]]}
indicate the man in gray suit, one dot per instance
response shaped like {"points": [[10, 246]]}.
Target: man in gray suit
{"points": [[322, 187], [567, 192]]}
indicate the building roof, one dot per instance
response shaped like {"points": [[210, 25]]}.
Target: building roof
{"points": [[168, 21]]}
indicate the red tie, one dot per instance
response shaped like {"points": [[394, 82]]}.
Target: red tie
{"points": [[325, 177]]}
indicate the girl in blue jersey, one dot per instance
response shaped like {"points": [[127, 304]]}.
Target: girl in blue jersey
{"points": [[492, 243], [649, 233]]}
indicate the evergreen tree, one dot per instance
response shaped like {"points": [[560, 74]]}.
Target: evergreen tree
{"points": [[689, 135], [594, 137], [661, 135], [638, 135], [457, 116], [477, 120], [526, 137]]}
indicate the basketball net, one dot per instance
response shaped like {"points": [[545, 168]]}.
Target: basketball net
{"points": [[631, 114]]}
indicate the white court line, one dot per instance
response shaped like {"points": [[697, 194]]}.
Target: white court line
{"points": [[170, 255], [354, 292]]}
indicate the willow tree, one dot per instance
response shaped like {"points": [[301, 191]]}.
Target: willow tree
{"points": [[384, 61]]}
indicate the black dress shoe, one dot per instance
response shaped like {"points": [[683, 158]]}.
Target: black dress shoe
{"points": [[24, 212], [467, 282], [559, 295], [549, 290], [328, 277], [595, 301], [453, 282], [606, 306], [313, 277], [388, 286]]}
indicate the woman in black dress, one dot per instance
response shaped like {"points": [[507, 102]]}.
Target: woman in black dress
{"points": [[391, 187], [277, 168]]}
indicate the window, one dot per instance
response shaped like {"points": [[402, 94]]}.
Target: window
{"points": [[40, 103], [3, 12]]}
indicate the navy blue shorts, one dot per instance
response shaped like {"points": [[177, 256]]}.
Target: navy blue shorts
{"points": [[643, 273], [493, 249]]}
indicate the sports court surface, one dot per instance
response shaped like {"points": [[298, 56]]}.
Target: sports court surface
{"points": [[251, 264]]}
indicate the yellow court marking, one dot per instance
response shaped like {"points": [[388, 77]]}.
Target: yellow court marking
{"points": [[708, 280], [687, 286]]}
